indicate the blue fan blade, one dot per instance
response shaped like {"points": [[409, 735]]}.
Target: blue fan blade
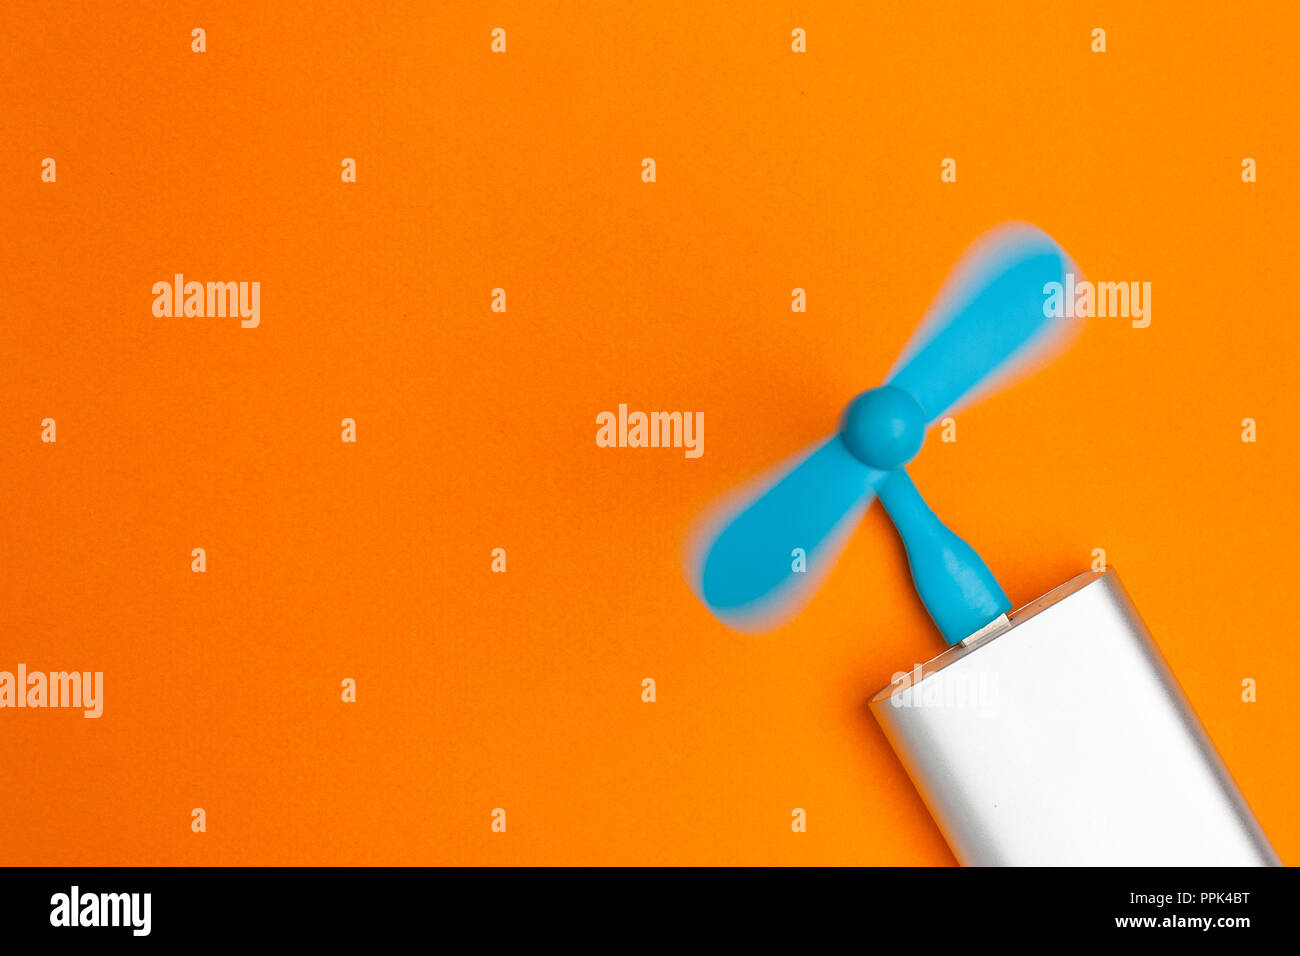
{"points": [[747, 573], [989, 321]]}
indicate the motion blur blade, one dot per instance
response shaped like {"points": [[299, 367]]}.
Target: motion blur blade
{"points": [[989, 324], [742, 562]]}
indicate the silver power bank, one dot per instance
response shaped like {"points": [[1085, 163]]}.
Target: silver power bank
{"points": [[1058, 736]]}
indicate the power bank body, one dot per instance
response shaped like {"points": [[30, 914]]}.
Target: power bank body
{"points": [[1058, 736]]}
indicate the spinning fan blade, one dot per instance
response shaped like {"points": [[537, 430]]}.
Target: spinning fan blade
{"points": [[744, 561], [988, 324]]}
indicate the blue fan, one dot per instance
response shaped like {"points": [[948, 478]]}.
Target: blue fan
{"points": [[987, 326]]}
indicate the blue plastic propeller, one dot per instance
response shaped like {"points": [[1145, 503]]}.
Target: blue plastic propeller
{"points": [[986, 327]]}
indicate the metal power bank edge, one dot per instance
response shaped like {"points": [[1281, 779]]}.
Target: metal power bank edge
{"points": [[1059, 736]]}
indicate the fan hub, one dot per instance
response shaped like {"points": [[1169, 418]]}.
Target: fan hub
{"points": [[883, 428]]}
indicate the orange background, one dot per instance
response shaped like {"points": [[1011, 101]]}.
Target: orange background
{"points": [[476, 430]]}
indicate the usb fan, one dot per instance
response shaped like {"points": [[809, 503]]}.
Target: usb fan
{"points": [[987, 325], [1058, 736]]}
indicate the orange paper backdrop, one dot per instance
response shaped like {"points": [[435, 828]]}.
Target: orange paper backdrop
{"points": [[476, 429]]}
